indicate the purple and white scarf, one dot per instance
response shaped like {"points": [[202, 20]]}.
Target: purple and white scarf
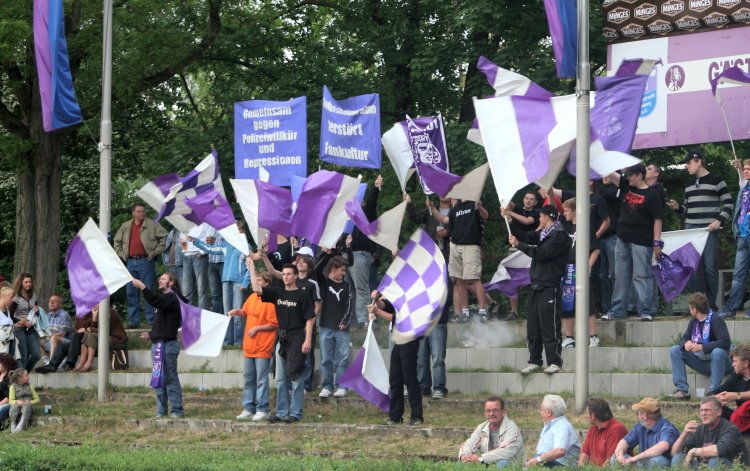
{"points": [[157, 374]]}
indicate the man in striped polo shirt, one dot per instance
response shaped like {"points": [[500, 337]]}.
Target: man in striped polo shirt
{"points": [[707, 204]]}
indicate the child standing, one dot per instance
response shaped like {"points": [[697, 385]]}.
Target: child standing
{"points": [[21, 396]]}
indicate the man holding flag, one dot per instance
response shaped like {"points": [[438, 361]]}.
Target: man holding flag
{"points": [[165, 347]]}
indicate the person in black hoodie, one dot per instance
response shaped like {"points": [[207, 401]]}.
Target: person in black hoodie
{"points": [[163, 335], [335, 315], [548, 248]]}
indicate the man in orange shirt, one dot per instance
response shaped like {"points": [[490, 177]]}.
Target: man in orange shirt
{"points": [[603, 436], [258, 343]]}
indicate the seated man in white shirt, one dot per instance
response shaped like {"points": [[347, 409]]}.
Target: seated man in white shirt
{"points": [[495, 441]]}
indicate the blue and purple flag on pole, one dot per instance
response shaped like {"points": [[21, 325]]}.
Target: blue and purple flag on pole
{"points": [[350, 130], [202, 331], [270, 136], [367, 375], [733, 75], [59, 105], [416, 283], [95, 271], [680, 258], [563, 28], [324, 195]]}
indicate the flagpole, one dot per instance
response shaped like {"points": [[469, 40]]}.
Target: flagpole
{"points": [[105, 177], [583, 86], [729, 133]]}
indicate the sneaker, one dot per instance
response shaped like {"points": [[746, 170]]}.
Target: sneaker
{"points": [[530, 368], [681, 395], [455, 319], [552, 369], [290, 419], [466, 318], [416, 422], [175, 415], [390, 422], [45, 360], [593, 341], [610, 317], [727, 314], [64, 367], [362, 325], [260, 416], [569, 342], [513, 316], [647, 318], [438, 394], [45, 369], [160, 416], [246, 414], [494, 310], [340, 392], [273, 419], [325, 392], [484, 318]]}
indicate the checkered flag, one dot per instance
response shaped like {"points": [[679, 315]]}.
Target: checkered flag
{"points": [[416, 284]]}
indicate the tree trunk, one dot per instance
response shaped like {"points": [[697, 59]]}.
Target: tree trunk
{"points": [[38, 194]]}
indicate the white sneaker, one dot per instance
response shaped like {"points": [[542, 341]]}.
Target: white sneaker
{"points": [[245, 415], [325, 392], [593, 341], [340, 392], [529, 368], [552, 369], [260, 416], [569, 342]]}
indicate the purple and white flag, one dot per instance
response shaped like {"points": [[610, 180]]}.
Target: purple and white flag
{"points": [[469, 187], [416, 284], [367, 375], [59, 105], [385, 229], [270, 135], [505, 83], [212, 208], [361, 190], [265, 206], [202, 331], [636, 67], [350, 130], [321, 215], [94, 269], [512, 274], [419, 139], [563, 28], [167, 193], [527, 140], [733, 75], [680, 258]]}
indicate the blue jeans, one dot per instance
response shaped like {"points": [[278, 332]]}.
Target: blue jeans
{"points": [[433, 348], [706, 277], [282, 391], [255, 394], [28, 347], [334, 355], [195, 276], [144, 270], [233, 299], [679, 460], [633, 265], [714, 364], [655, 462], [4, 412], [214, 281], [360, 276], [172, 390], [607, 269], [741, 267]]}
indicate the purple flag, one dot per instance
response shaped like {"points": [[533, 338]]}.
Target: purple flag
{"points": [[202, 331], [59, 105], [324, 195], [350, 130], [94, 269], [427, 140], [265, 206], [368, 376], [358, 218], [561, 17], [271, 135], [212, 208], [733, 75], [361, 190], [680, 258], [436, 179], [636, 67]]}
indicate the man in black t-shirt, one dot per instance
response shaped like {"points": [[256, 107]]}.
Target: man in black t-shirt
{"points": [[737, 386], [465, 222], [525, 218], [638, 240], [295, 313]]}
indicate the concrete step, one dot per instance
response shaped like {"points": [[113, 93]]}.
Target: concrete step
{"points": [[628, 385], [663, 331], [601, 360]]}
